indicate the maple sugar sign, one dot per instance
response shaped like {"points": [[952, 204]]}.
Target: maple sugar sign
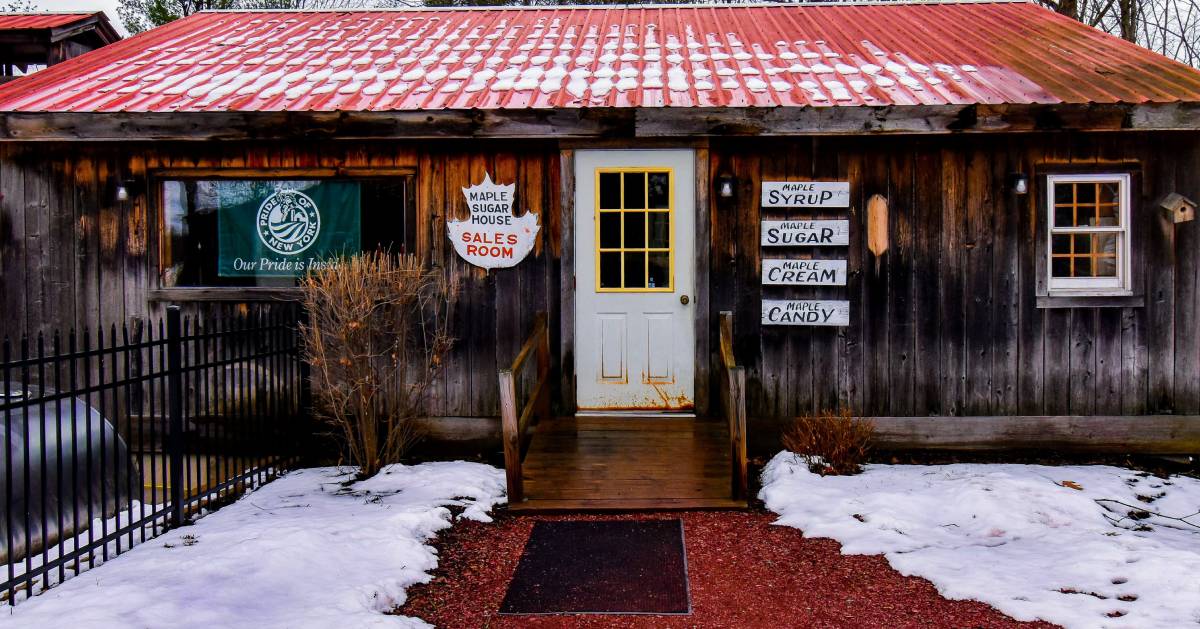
{"points": [[492, 237]]}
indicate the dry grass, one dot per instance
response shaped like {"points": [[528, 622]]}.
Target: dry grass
{"points": [[378, 326], [831, 443]]}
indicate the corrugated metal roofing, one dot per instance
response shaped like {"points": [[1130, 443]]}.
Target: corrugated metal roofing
{"points": [[28, 21], [645, 56]]}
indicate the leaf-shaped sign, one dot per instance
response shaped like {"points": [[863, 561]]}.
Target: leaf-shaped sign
{"points": [[493, 237]]}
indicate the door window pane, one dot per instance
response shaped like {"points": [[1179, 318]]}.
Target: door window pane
{"points": [[660, 230], [660, 269], [659, 191], [610, 191], [635, 191], [635, 230], [610, 230], [610, 269], [635, 269]]}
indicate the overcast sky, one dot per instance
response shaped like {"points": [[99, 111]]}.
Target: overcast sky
{"points": [[108, 6]]}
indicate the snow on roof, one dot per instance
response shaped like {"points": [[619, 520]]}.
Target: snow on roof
{"points": [[45, 19], [630, 56]]}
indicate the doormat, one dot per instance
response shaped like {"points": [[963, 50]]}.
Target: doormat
{"points": [[604, 567]]}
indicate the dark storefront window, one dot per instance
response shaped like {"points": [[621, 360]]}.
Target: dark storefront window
{"points": [[270, 232]]}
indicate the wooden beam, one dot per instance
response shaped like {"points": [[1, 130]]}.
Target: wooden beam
{"points": [[650, 122], [1146, 434]]}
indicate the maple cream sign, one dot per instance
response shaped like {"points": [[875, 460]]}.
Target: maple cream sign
{"points": [[493, 237]]}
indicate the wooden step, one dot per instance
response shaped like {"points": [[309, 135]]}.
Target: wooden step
{"points": [[627, 504]]}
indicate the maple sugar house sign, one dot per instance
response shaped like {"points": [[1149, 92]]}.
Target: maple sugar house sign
{"points": [[492, 237]]}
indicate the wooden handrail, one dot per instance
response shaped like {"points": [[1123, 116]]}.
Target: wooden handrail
{"points": [[512, 424], [733, 395]]}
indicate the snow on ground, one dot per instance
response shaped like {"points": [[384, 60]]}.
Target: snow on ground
{"points": [[1018, 537], [306, 550]]}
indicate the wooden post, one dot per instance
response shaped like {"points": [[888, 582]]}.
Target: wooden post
{"points": [[733, 397], [543, 368], [737, 430], [511, 436]]}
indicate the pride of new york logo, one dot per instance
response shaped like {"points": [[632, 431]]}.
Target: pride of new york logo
{"points": [[288, 222]]}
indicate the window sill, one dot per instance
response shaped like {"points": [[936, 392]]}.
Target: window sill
{"points": [[1091, 301], [250, 293]]}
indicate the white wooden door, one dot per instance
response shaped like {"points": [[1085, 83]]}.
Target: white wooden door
{"points": [[634, 277]]}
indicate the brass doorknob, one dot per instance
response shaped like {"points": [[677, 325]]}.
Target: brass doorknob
{"points": [[683, 299]]}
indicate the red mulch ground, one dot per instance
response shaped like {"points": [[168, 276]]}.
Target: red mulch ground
{"points": [[743, 572]]}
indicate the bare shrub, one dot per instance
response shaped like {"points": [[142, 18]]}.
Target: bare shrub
{"points": [[830, 443], [378, 326]]}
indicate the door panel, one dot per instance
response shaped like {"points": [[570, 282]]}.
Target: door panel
{"points": [[612, 347], [635, 260]]}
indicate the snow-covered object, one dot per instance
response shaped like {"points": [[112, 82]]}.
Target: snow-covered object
{"points": [[310, 550], [1021, 538], [335, 61]]}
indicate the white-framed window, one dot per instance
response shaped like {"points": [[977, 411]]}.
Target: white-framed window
{"points": [[1088, 234]]}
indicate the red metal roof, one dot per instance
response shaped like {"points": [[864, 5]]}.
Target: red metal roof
{"points": [[639, 56], [27, 21]]}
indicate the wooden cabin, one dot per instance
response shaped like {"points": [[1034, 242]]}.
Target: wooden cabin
{"points": [[33, 41], [675, 227]]}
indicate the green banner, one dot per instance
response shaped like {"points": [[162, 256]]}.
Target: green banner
{"points": [[285, 228]]}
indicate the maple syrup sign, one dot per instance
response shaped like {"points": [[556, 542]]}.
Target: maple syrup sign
{"points": [[493, 237]]}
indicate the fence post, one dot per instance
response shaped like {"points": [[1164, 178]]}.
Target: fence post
{"points": [[175, 412]]}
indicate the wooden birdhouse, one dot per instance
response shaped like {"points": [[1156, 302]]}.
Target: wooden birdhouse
{"points": [[1180, 208]]}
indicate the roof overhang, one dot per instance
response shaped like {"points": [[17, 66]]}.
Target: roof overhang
{"points": [[596, 122]]}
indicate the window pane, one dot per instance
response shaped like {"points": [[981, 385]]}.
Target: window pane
{"points": [[635, 191], [610, 191], [660, 270], [1083, 243], [1064, 215], [635, 230], [1105, 246], [610, 270], [1061, 267], [660, 191], [263, 232], [1085, 193], [1064, 193], [635, 270], [1102, 215], [660, 230], [1082, 266], [610, 230], [1061, 245], [1108, 192]]}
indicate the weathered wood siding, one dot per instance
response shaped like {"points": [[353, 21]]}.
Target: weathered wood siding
{"points": [[946, 321], [71, 255]]}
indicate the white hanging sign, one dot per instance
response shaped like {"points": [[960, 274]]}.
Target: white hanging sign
{"points": [[805, 233], [493, 237], [828, 194], [805, 312], [803, 272]]}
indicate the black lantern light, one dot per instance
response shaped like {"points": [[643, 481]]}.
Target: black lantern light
{"points": [[1018, 183], [726, 185]]}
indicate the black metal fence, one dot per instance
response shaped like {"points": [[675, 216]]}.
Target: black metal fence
{"points": [[113, 438]]}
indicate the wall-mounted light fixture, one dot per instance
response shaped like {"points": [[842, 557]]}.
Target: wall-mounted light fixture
{"points": [[726, 185], [124, 189], [1018, 183]]}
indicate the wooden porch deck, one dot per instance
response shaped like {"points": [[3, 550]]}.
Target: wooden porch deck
{"points": [[621, 463]]}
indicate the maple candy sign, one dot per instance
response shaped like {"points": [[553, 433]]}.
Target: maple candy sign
{"points": [[492, 237]]}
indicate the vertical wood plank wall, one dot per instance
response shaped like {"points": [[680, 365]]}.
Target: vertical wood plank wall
{"points": [[71, 255], [945, 323]]}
